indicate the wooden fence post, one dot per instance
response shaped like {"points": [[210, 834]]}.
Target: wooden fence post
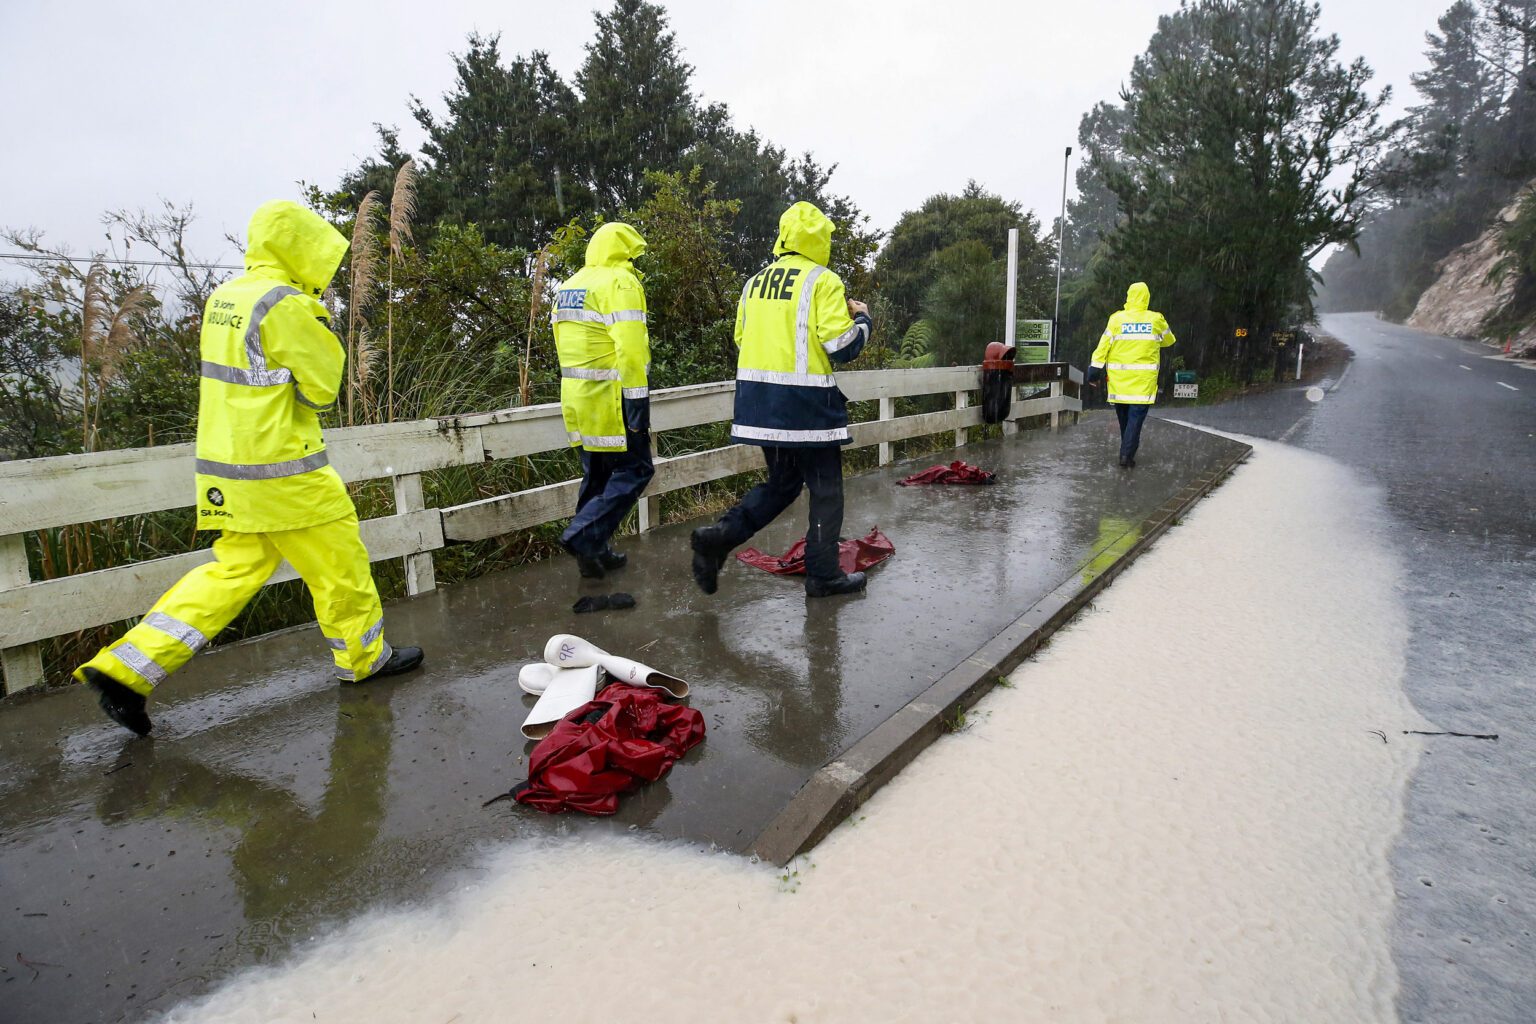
{"points": [[648, 509], [962, 399], [21, 666], [887, 411], [420, 571], [1056, 393]]}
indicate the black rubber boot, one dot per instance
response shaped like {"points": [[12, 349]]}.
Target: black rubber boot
{"points": [[590, 568], [401, 660], [853, 583], [610, 559], [710, 551], [122, 705]]}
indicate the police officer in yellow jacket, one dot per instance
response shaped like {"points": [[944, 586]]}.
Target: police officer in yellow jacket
{"points": [[605, 355], [1129, 350], [793, 322], [269, 364]]}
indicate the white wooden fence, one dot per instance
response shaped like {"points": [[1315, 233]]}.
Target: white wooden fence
{"points": [[39, 494]]}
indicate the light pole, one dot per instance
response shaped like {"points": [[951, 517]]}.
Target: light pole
{"points": [[1061, 232]]}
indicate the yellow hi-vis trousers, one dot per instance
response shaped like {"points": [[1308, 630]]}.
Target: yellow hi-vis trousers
{"points": [[331, 560]]}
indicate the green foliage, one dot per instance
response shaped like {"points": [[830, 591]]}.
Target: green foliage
{"points": [[964, 302], [1518, 262], [637, 108], [35, 414], [1471, 146], [1247, 148], [905, 268]]}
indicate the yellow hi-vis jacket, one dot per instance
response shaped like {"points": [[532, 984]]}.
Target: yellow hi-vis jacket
{"points": [[792, 324], [269, 363], [1130, 348], [605, 352]]}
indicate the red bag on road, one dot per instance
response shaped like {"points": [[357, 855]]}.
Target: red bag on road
{"points": [[954, 473], [852, 555], [627, 736]]}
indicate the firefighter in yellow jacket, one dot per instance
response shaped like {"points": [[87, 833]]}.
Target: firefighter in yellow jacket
{"points": [[1129, 352], [605, 354], [269, 365], [793, 322]]}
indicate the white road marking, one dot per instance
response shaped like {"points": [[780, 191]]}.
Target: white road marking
{"points": [[1503, 385], [1464, 367]]}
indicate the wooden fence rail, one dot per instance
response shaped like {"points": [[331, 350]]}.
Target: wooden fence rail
{"points": [[39, 494]]}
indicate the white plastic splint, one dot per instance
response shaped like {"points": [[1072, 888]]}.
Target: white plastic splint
{"points": [[570, 675], [567, 651]]}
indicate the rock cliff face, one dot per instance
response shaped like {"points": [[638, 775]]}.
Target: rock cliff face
{"points": [[1462, 297]]}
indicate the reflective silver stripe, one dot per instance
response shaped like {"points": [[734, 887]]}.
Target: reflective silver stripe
{"points": [[804, 380], [140, 662], [1131, 366], [579, 374], [602, 440], [1160, 336], [637, 392], [263, 471], [240, 375], [191, 636], [1131, 399], [378, 663], [253, 351], [590, 316], [789, 436], [334, 644], [1098, 365], [574, 435], [803, 321], [845, 339], [374, 632], [305, 401]]}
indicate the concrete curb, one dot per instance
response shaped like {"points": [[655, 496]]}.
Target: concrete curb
{"points": [[837, 790]]}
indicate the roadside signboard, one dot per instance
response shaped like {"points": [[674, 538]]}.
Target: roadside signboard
{"points": [[1033, 331], [1186, 390], [1183, 376]]}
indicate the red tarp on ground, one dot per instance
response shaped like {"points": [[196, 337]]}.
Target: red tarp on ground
{"points": [[627, 736], [852, 555], [954, 473]]}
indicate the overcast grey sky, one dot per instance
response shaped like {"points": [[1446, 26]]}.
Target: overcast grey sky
{"points": [[109, 105]]}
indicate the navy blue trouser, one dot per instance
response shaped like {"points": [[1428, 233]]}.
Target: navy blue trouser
{"points": [[1131, 418], [611, 484], [820, 470]]}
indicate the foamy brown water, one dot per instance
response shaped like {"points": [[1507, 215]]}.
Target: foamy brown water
{"points": [[1179, 812]]}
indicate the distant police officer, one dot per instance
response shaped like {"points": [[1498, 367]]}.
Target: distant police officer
{"points": [[605, 355], [793, 323], [1129, 351], [269, 363]]}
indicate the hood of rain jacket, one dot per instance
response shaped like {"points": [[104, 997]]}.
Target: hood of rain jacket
{"points": [[1137, 298], [806, 230], [614, 245], [294, 244]]}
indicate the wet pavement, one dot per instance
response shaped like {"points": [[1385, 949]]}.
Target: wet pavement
{"points": [[272, 804], [1448, 432]]}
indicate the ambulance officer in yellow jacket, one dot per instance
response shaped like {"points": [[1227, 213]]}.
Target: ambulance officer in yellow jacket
{"points": [[269, 364], [1129, 351], [794, 321], [605, 354]]}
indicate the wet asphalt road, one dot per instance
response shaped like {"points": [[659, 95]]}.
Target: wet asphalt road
{"points": [[271, 805], [1448, 432]]}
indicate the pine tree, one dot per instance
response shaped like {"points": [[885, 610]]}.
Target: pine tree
{"points": [[637, 108], [1458, 88]]}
